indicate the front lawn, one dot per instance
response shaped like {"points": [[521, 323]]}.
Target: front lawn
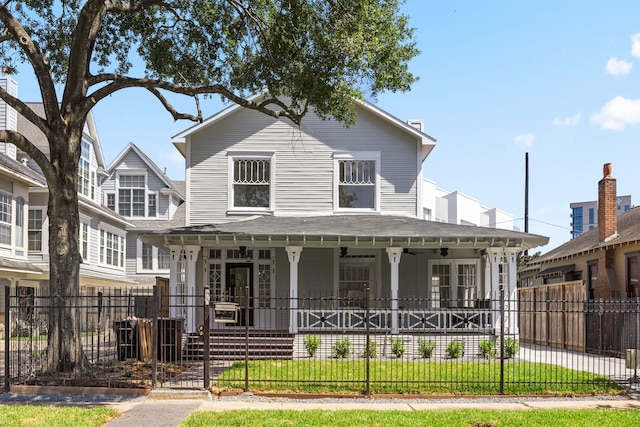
{"points": [[47, 416], [408, 377], [448, 418]]}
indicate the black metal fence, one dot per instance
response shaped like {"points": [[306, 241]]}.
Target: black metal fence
{"points": [[322, 344]]}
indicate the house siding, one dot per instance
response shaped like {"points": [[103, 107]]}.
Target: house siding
{"points": [[304, 164]]}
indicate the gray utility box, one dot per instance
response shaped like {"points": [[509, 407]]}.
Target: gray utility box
{"points": [[633, 358], [226, 312]]}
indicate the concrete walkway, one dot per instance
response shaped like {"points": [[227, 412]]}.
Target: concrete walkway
{"points": [[169, 409]]}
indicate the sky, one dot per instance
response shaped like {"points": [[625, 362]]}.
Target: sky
{"points": [[497, 79]]}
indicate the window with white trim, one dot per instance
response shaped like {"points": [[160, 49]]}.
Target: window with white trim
{"points": [[152, 207], [131, 195], [34, 230], [356, 273], [111, 249], [251, 182], [454, 283], [357, 180], [84, 242], [20, 222], [6, 202], [111, 201], [84, 168], [147, 256], [164, 256]]}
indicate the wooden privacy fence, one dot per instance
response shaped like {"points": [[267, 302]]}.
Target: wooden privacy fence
{"points": [[553, 315]]}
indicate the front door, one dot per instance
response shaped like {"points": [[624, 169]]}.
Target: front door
{"points": [[239, 282]]}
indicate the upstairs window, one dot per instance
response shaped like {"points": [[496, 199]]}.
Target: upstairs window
{"points": [[34, 230], [111, 201], [357, 182], [84, 242], [111, 249], [131, 195], [5, 218], [151, 205], [20, 222], [84, 184], [251, 185]]}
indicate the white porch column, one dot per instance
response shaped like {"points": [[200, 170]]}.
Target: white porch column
{"points": [[293, 252], [495, 255], [182, 284], [191, 253], [174, 265], [511, 294], [504, 271], [394, 259]]}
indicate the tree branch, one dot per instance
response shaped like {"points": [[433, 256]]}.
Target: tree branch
{"points": [[25, 111], [39, 63], [119, 82], [34, 152], [176, 115]]}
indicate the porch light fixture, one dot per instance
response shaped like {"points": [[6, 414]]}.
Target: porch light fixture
{"points": [[444, 252], [343, 251]]}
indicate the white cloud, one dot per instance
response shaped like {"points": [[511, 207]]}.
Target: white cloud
{"points": [[568, 121], [617, 67], [525, 140], [618, 113], [635, 45]]}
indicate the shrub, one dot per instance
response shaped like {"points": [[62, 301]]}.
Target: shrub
{"points": [[486, 349], [311, 344], [511, 347], [426, 347], [341, 348], [371, 350], [455, 349], [397, 346]]}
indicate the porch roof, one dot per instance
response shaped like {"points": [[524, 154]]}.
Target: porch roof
{"points": [[344, 230]]}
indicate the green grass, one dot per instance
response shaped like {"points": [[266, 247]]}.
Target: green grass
{"points": [[407, 377], [48, 416], [448, 418]]}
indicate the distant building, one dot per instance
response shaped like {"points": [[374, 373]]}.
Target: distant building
{"points": [[458, 208], [584, 215]]}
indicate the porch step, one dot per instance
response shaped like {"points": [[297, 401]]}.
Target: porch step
{"points": [[230, 345]]}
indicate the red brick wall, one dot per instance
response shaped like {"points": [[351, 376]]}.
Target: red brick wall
{"points": [[607, 208]]}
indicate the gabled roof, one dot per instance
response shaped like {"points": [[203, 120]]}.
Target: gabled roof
{"points": [[33, 134], [628, 232], [428, 142], [131, 147]]}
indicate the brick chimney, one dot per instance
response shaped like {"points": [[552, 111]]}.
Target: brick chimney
{"points": [[607, 228], [607, 205]]}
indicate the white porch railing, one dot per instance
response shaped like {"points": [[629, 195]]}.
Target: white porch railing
{"points": [[437, 320]]}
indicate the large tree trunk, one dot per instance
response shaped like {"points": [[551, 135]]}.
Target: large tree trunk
{"points": [[64, 346]]}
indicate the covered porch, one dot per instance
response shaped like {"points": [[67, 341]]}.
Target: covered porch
{"points": [[352, 272]]}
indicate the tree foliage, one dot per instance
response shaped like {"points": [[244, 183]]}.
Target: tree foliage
{"points": [[302, 53]]}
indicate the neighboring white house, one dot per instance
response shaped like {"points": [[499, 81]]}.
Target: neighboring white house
{"points": [[458, 208], [324, 210], [140, 191]]}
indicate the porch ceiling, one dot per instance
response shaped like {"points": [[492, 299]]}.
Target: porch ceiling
{"points": [[344, 230]]}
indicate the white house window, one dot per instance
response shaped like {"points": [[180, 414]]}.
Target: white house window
{"points": [[147, 256], [34, 230], [163, 258], [356, 273], [5, 218], [251, 183], [467, 285], [152, 207], [20, 222], [111, 201], [440, 285], [93, 185], [357, 180], [111, 249], [84, 241], [84, 169], [131, 195]]}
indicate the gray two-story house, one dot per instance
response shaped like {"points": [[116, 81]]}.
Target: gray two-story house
{"points": [[285, 213]]}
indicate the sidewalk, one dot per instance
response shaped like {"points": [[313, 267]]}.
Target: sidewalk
{"points": [[168, 410]]}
